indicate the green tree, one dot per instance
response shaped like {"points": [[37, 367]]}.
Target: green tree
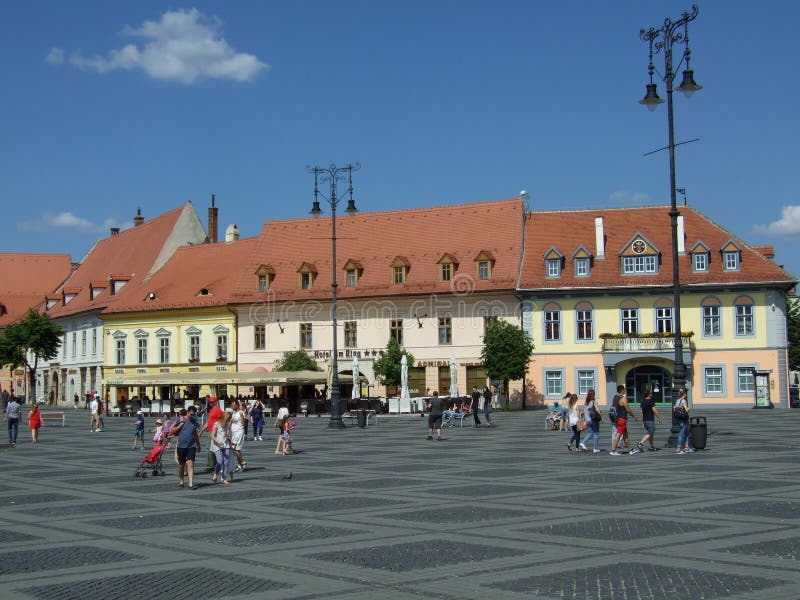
{"points": [[389, 363], [34, 337], [506, 353], [793, 327], [297, 360]]}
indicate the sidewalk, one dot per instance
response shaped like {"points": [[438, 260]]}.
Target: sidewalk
{"points": [[384, 513]]}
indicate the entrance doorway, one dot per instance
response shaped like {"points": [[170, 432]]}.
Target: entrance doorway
{"points": [[649, 378]]}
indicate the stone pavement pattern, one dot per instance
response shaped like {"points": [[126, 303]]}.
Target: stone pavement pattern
{"points": [[382, 512]]}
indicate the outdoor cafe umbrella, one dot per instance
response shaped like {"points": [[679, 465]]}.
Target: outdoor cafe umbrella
{"points": [[453, 378], [404, 378], [356, 380]]}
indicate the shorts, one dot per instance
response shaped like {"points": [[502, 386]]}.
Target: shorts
{"points": [[435, 421], [650, 427], [186, 454], [140, 434], [622, 426]]}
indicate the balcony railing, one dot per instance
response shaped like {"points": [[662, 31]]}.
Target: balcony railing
{"points": [[643, 344]]}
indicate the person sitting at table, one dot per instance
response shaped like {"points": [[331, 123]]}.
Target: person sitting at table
{"points": [[449, 414]]}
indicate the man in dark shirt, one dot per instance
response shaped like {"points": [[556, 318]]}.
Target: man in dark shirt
{"points": [[476, 405], [649, 415], [188, 446], [435, 410]]}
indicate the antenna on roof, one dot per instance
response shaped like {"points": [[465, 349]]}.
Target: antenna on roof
{"points": [[682, 192]]}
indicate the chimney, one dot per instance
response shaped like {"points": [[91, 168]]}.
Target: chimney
{"points": [[231, 233], [115, 231], [681, 237], [138, 219], [600, 238], [213, 218]]}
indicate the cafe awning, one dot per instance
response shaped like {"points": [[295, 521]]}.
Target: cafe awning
{"points": [[224, 378]]}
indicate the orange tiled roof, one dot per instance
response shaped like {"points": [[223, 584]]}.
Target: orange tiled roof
{"points": [[374, 240], [568, 230], [26, 279], [214, 268], [128, 255]]}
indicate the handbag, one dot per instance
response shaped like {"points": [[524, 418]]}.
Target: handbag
{"points": [[680, 413], [582, 425]]}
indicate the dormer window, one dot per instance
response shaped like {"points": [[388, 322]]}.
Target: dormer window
{"points": [[96, 288], [639, 257], [484, 262], [352, 271], [448, 265], [731, 256], [400, 267], [117, 282], [582, 262], [264, 276], [52, 301], [68, 294], [553, 262], [700, 256], [306, 275]]}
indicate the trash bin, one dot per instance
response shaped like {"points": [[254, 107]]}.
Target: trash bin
{"points": [[362, 418], [699, 431]]}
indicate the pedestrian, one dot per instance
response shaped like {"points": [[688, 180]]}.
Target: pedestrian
{"points": [[649, 415], [94, 423], [257, 418], [681, 414], [35, 422], [12, 415], [487, 406], [283, 412], [214, 415], [620, 402], [475, 407], [435, 409], [593, 417], [159, 435], [286, 427], [221, 447], [138, 436], [245, 408], [188, 433], [238, 420], [574, 416], [101, 408], [76, 400]]}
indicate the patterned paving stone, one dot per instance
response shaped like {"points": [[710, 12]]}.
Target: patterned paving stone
{"points": [[618, 529], [737, 485], [634, 581], [167, 585], [337, 504], [757, 508], [25, 499], [31, 561], [787, 549], [375, 484], [9, 538], [605, 499], [172, 519], [481, 490], [462, 514], [276, 534], [416, 555], [50, 512]]}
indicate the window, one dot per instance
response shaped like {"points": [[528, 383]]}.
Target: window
{"points": [[141, 344], [554, 382], [744, 318], [583, 321], [396, 330], [74, 343], [630, 320], [94, 341], [194, 348], [305, 335], [581, 267], [445, 330], [639, 264], [163, 343], [350, 334], [484, 270], [83, 343], [259, 337], [222, 346], [305, 280], [746, 378], [711, 321], [713, 380], [446, 270], [553, 267], [730, 261], [120, 352], [700, 262], [350, 277], [585, 381], [552, 325], [398, 275], [664, 319], [263, 283]]}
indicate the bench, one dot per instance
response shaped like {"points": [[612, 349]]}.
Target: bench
{"points": [[53, 416], [353, 416]]}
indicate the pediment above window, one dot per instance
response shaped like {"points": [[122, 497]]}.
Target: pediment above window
{"points": [[448, 259], [639, 245], [307, 267], [353, 265], [553, 254], [140, 333], [582, 252], [161, 332], [192, 331]]}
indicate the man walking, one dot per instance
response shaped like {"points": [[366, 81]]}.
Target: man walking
{"points": [[214, 415], [622, 410], [649, 415], [435, 409], [12, 414], [188, 446], [487, 406], [94, 408], [475, 407]]}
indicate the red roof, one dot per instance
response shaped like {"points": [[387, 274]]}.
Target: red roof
{"points": [[128, 255], [374, 240], [26, 279], [566, 231]]}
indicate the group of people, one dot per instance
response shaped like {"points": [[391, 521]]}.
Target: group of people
{"points": [[441, 414], [587, 417], [12, 415]]}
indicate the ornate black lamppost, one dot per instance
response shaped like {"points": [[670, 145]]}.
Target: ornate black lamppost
{"points": [[333, 175], [662, 39]]}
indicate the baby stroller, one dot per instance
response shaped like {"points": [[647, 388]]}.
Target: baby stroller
{"points": [[151, 462]]}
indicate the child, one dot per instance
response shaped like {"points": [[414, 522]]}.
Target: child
{"points": [[139, 435], [35, 422], [166, 429], [286, 427], [158, 433]]}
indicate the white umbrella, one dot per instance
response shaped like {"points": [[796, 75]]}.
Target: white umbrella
{"points": [[453, 378], [356, 380], [404, 378]]}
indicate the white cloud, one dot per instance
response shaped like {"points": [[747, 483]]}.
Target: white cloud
{"points": [[788, 224], [66, 220], [55, 56], [626, 197], [184, 46]]}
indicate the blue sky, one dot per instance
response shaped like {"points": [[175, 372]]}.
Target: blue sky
{"points": [[110, 106]]}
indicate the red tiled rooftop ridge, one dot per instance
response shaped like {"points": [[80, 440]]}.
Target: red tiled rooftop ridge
{"points": [[25, 280]]}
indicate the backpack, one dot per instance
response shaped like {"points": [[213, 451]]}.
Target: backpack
{"points": [[594, 415], [613, 415]]}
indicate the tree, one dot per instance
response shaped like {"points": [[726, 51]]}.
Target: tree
{"points": [[297, 360], [36, 337], [793, 327], [388, 366], [506, 353]]}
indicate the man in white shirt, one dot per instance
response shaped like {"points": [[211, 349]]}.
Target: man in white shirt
{"points": [[94, 409]]}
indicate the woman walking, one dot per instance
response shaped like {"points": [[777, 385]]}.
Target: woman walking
{"points": [[681, 413], [257, 418], [35, 422], [593, 417], [574, 419], [487, 406], [221, 447], [238, 420]]}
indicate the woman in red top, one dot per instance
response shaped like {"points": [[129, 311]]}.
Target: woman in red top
{"points": [[35, 422]]}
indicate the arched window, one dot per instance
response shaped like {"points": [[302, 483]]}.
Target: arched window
{"points": [[552, 322], [743, 311], [584, 322], [664, 316], [712, 323], [629, 316]]}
